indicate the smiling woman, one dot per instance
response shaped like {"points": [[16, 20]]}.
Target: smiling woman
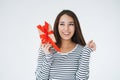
{"points": [[72, 63], [66, 27]]}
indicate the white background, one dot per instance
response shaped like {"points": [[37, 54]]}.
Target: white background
{"points": [[19, 39]]}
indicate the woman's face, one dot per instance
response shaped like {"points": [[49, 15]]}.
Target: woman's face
{"points": [[66, 27]]}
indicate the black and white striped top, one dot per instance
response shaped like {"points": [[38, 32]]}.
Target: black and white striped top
{"points": [[73, 65]]}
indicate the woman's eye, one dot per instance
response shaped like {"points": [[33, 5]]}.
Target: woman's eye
{"points": [[61, 24], [71, 24]]}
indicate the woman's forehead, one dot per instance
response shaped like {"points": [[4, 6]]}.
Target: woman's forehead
{"points": [[66, 18]]}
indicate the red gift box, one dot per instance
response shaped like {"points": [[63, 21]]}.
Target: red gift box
{"points": [[47, 35]]}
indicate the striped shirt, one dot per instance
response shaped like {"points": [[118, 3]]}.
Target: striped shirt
{"points": [[73, 65]]}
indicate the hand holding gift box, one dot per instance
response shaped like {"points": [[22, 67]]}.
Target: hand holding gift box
{"points": [[47, 35]]}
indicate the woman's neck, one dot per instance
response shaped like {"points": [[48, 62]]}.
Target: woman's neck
{"points": [[67, 45]]}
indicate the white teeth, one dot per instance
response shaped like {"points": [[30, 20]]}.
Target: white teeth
{"points": [[66, 33]]}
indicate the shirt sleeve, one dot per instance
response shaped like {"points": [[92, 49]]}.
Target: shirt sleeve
{"points": [[43, 66], [83, 69]]}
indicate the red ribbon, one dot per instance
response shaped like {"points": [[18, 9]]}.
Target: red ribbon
{"points": [[44, 37]]}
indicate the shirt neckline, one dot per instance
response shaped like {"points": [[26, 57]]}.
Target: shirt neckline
{"points": [[66, 53]]}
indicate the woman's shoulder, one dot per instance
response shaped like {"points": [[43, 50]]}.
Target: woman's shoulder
{"points": [[84, 48], [80, 46]]}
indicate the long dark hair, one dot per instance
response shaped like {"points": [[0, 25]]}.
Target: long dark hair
{"points": [[77, 37]]}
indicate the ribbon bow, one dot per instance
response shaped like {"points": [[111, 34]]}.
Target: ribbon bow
{"points": [[45, 36]]}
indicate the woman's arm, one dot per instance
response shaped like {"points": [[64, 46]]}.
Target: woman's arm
{"points": [[83, 70], [43, 66]]}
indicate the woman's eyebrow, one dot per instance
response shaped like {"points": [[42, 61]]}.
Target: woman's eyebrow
{"points": [[61, 22], [71, 22]]}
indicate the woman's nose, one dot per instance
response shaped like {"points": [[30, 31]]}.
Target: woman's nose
{"points": [[66, 27]]}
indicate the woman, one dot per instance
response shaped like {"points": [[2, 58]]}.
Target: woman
{"points": [[72, 63]]}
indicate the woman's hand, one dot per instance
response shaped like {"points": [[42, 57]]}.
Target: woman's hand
{"points": [[46, 48], [91, 45]]}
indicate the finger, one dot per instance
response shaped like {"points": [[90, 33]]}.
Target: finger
{"points": [[47, 46], [93, 46], [42, 45], [89, 43]]}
